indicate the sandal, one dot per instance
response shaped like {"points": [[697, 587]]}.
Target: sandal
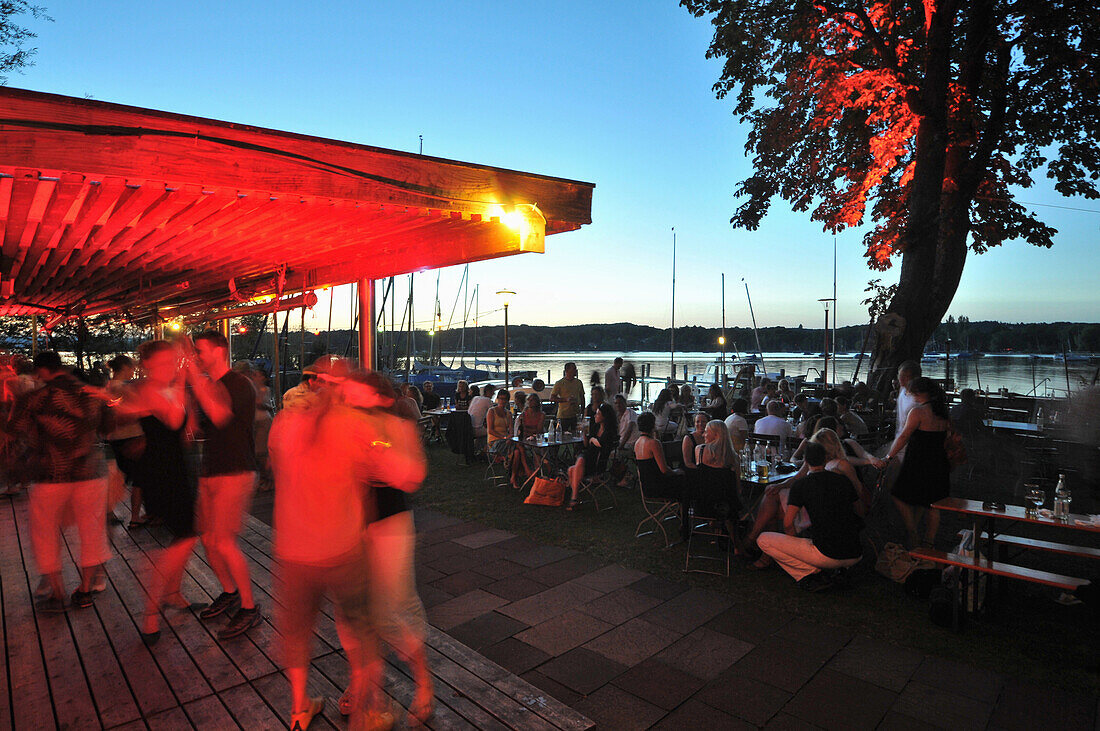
{"points": [[300, 720], [346, 703], [572, 505]]}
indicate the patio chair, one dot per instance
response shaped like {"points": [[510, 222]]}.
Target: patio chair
{"points": [[499, 469], [714, 504], [593, 484], [657, 510]]}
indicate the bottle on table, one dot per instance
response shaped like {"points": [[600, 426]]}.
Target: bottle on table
{"points": [[1062, 499]]}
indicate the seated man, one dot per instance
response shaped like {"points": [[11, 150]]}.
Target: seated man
{"points": [[479, 407], [431, 398], [756, 398], [774, 424], [835, 512], [851, 420]]}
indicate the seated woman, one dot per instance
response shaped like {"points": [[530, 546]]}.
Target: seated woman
{"points": [[498, 426], [598, 398], [462, 396], [717, 476], [655, 477], [686, 397], [736, 423], [774, 503], [662, 411], [853, 450], [786, 392], [692, 440], [531, 425], [519, 399], [716, 403], [598, 447], [408, 405]]}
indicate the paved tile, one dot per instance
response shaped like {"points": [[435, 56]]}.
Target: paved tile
{"points": [[500, 569], [431, 596], [787, 722], [744, 697], [435, 551], [836, 701], [895, 721], [492, 553], [462, 582], [778, 662], [619, 606], [821, 639], [427, 519], [610, 578], [454, 612], [705, 653], [689, 610], [461, 560], [942, 708], [540, 556], [659, 588], [519, 544], [483, 538], [566, 569], [697, 715], [659, 683], [488, 629], [540, 607], [515, 656], [612, 708], [581, 670], [632, 642], [552, 688], [425, 575], [1023, 705], [514, 588], [450, 532], [959, 678], [749, 623], [883, 664], [562, 633]]}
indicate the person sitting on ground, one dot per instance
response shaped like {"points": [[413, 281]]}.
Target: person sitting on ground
{"points": [[774, 424], [598, 447], [736, 424], [786, 392], [835, 511], [431, 398], [716, 403], [532, 424], [498, 425], [662, 411], [479, 407], [463, 396], [851, 420], [692, 440], [756, 399]]}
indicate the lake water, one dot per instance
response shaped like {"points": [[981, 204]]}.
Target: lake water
{"points": [[1017, 373]]}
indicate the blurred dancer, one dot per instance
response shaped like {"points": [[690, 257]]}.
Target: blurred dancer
{"points": [[323, 455]]}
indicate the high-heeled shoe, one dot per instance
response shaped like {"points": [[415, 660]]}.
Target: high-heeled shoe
{"points": [[150, 638]]}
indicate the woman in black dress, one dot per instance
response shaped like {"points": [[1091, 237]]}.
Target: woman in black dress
{"points": [[925, 475], [599, 443], [162, 474]]}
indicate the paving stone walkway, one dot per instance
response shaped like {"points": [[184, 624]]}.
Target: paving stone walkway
{"points": [[634, 651]]}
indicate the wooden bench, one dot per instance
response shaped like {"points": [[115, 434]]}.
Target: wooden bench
{"points": [[1065, 549], [998, 568]]}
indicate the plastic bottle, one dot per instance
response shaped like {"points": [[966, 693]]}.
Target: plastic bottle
{"points": [[1062, 499]]}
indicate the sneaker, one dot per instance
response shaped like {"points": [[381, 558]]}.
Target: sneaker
{"points": [[300, 721], [225, 602], [243, 620], [813, 582], [49, 605], [82, 599]]}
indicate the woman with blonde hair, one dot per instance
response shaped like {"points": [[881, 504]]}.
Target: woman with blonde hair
{"points": [[717, 474]]}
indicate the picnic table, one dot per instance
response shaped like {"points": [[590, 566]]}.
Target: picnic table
{"points": [[1020, 427]]}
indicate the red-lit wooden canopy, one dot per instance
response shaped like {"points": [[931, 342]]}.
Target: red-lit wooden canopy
{"points": [[109, 208]]}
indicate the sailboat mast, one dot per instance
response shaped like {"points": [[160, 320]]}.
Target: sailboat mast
{"points": [[410, 340], [722, 339], [672, 333], [437, 316], [833, 347], [756, 332], [477, 287]]}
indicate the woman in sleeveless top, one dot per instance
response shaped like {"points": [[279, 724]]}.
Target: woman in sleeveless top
{"points": [[692, 440], [925, 475], [163, 476], [531, 425], [598, 447], [717, 476], [657, 480]]}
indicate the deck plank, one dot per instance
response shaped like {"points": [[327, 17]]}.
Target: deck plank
{"points": [[72, 698], [27, 681], [249, 709], [209, 712]]}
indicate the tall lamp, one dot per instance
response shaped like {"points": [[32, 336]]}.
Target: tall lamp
{"points": [[506, 295]]}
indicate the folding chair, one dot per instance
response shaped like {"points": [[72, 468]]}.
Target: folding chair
{"points": [[715, 501], [591, 486], [499, 469], [657, 510]]}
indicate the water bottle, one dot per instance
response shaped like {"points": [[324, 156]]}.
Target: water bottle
{"points": [[760, 460], [557, 432], [1062, 500]]}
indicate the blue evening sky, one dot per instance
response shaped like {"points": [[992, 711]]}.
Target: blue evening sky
{"points": [[615, 93]]}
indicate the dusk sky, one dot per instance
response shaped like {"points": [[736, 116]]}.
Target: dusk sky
{"points": [[617, 94]]}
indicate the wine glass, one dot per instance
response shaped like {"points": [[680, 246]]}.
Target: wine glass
{"points": [[1036, 496]]}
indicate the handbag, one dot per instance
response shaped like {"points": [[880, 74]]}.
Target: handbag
{"points": [[546, 492], [954, 446], [895, 563]]}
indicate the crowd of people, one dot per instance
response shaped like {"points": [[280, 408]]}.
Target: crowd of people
{"points": [[180, 426]]}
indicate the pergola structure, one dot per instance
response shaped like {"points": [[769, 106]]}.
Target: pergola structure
{"points": [[108, 208]]}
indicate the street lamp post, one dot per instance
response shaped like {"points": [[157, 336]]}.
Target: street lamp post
{"points": [[506, 295], [825, 373]]}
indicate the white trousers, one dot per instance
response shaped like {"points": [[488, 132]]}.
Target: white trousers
{"points": [[799, 557]]}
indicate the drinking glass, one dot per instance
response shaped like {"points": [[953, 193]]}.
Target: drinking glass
{"points": [[1035, 496]]}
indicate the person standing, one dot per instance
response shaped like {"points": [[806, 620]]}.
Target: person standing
{"points": [[568, 394], [59, 424], [227, 403], [612, 381]]}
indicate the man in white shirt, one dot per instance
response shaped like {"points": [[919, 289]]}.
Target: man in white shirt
{"points": [[756, 398], [774, 423], [907, 373], [628, 422], [612, 382], [736, 424], [479, 407]]}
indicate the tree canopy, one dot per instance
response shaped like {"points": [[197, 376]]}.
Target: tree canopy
{"points": [[919, 119], [14, 53]]}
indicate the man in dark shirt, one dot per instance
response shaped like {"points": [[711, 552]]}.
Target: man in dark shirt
{"points": [[227, 401], [58, 425], [834, 509], [431, 398]]}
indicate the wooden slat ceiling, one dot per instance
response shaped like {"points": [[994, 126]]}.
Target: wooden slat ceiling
{"points": [[107, 208]]}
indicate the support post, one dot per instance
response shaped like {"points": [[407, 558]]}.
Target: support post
{"points": [[275, 358], [34, 336], [368, 352]]}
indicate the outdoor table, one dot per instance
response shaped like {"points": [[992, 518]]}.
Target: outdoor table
{"points": [[754, 482], [548, 454], [1022, 427]]}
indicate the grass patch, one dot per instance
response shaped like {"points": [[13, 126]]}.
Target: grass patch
{"points": [[1028, 636]]}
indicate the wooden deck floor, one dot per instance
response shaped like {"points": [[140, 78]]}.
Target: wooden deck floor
{"points": [[89, 669]]}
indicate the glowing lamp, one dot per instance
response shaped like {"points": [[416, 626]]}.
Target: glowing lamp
{"points": [[242, 330], [721, 339], [175, 327]]}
